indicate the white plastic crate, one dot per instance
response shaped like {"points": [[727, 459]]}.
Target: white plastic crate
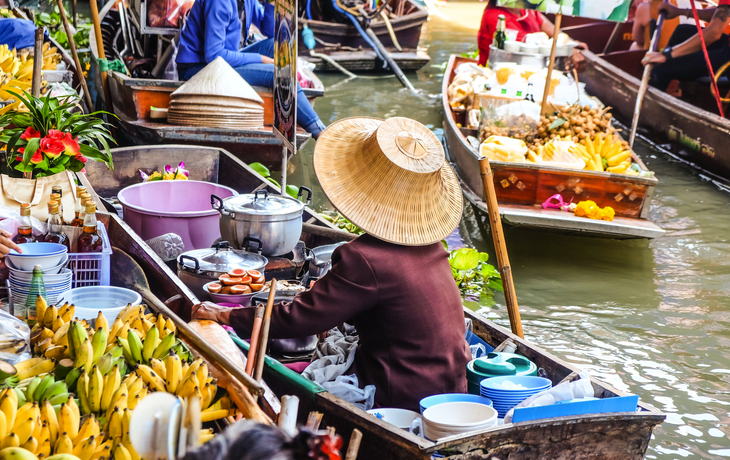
{"points": [[92, 269]]}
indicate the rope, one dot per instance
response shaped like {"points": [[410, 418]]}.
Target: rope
{"points": [[716, 90]]}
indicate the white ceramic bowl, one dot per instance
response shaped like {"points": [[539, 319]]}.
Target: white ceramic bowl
{"points": [[50, 270], [512, 47], [90, 300], [47, 255], [402, 418], [452, 418], [530, 48], [48, 278], [546, 49]]}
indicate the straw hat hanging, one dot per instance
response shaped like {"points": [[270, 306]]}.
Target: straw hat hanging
{"points": [[217, 97], [389, 178]]}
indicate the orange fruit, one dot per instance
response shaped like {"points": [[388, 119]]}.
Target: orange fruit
{"points": [[231, 281], [240, 289], [236, 273]]}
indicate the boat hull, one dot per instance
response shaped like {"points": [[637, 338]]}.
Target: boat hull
{"points": [[522, 188], [696, 136]]}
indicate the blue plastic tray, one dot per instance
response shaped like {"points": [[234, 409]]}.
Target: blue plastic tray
{"points": [[594, 406]]}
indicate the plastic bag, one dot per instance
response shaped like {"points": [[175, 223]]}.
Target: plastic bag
{"points": [[500, 148], [347, 388], [577, 389], [9, 222], [166, 13], [14, 339]]}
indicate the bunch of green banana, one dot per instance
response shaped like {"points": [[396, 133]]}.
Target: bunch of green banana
{"points": [[45, 388]]}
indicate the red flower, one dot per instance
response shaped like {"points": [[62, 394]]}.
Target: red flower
{"points": [[37, 157], [19, 158], [30, 133], [52, 145], [83, 170], [81, 158], [72, 146]]}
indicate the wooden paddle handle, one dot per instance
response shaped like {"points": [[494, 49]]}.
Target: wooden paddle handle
{"points": [[75, 55], [206, 350], [490, 196], [255, 332], [264, 339]]}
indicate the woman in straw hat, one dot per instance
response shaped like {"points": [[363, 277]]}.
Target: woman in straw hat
{"points": [[394, 283], [213, 29]]}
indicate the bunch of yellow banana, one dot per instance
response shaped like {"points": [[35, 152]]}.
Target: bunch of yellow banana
{"points": [[605, 153], [16, 69]]}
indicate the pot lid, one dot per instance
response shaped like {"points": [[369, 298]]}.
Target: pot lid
{"points": [[262, 204], [221, 258], [499, 363]]}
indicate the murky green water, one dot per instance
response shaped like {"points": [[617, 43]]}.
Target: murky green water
{"points": [[649, 317]]}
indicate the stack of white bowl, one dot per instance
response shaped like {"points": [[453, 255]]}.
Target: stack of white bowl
{"points": [[51, 257], [454, 418]]}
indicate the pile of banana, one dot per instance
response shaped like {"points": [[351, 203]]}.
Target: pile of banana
{"points": [[606, 153], [16, 70], [74, 399]]}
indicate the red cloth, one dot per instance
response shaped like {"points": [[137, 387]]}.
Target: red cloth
{"points": [[525, 22], [723, 2], [406, 308]]}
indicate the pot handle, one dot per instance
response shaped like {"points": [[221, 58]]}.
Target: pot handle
{"points": [[222, 245], [302, 189], [213, 199], [264, 191], [246, 246], [183, 257], [309, 255]]}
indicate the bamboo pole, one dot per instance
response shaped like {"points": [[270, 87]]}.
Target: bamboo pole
{"points": [[545, 109], [255, 333], [264, 338], [75, 55], [102, 55], [490, 196], [354, 446], [37, 63]]}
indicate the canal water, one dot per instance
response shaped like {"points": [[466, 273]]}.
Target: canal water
{"points": [[648, 317]]}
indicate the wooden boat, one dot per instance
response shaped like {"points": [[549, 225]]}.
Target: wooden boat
{"points": [[689, 125], [208, 164], [605, 436], [343, 43], [132, 99], [523, 187]]}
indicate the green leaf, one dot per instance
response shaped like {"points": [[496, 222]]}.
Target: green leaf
{"points": [[261, 169], [496, 284], [488, 271], [557, 123], [43, 164], [464, 259], [446, 245], [483, 257], [30, 149], [57, 169]]}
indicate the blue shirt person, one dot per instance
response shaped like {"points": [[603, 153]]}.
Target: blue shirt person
{"points": [[213, 29]]}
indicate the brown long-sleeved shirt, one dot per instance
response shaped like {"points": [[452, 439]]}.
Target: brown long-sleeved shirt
{"points": [[406, 308]]}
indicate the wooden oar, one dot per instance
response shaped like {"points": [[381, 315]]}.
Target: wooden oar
{"points": [[35, 88], [255, 333], [102, 55], [264, 338], [645, 78], [495, 221]]}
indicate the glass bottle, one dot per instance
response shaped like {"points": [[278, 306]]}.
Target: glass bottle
{"points": [[55, 231], [78, 222], [25, 229], [500, 36], [37, 288], [58, 190], [530, 97], [90, 240], [82, 207]]}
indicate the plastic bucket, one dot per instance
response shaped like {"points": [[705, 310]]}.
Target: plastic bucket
{"points": [[174, 206]]}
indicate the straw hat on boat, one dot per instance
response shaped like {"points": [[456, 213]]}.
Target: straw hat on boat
{"points": [[389, 178]]}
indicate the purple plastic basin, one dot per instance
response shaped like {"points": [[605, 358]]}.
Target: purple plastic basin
{"points": [[174, 206]]}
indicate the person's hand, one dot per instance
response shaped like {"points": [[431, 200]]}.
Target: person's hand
{"points": [[671, 10], [6, 244], [266, 60], [579, 61], [211, 312], [654, 58]]}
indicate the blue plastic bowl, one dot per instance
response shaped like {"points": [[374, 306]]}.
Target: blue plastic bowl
{"points": [[39, 249], [531, 384], [452, 397], [47, 255]]}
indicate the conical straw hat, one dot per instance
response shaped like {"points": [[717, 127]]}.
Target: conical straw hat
{"points": [[218, 79], [389, 178], [218, 101]]}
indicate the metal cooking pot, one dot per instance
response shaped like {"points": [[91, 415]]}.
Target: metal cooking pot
{"points": [[276, 220], [195, 268], [291, 346], [320, 259]]}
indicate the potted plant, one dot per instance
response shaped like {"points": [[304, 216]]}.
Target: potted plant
{"points": [[45, 137]]}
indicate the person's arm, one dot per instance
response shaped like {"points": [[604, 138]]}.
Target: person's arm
{"points": [[546, 26], [347, 290], [6, 244], [263, 18], [672, 11], [712, 33], [217, 16], [641, 21]]}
